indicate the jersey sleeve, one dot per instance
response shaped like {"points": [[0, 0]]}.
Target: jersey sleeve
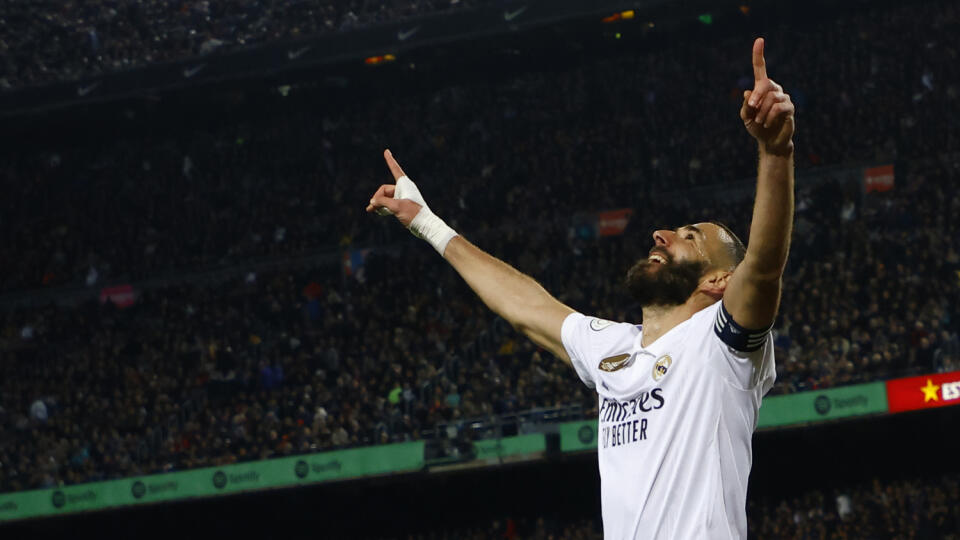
{"points": [[575, 335], [589, 340], [743, 356]]}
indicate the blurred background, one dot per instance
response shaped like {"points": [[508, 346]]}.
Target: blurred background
{"points": [[203, 333]]}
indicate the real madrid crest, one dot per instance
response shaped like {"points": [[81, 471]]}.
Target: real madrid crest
{"points": [[661, 366]]}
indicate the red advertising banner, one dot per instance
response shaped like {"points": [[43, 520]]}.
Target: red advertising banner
{"points": [[613, 222], [923, 392], [122, 296], [878, 178]]}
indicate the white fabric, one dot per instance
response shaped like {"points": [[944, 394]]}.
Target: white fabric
{"points": [[425, 224], [674, 451]]}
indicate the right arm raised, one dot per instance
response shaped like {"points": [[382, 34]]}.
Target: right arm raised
{"points": [[516, 297]]}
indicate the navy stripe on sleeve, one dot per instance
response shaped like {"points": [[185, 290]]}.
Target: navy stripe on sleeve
{"points": [[737, 336]]}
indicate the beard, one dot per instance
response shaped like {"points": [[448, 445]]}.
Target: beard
{"points": [[670, 285]]}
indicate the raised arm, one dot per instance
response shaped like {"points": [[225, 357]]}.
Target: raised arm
{"points": [[753, 294], [516, 297], [511, 294]]}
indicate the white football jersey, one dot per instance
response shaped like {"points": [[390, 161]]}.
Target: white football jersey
{"points": [[676, 421]]}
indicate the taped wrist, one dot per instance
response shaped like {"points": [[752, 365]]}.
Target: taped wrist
{"points": [[426, 224], [736, 336], [431, 228]]}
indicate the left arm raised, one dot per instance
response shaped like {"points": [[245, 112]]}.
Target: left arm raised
{"points": [[752, 296]]}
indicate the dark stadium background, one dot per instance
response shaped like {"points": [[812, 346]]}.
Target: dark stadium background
{"points": [[916, 446], [786, 462]]}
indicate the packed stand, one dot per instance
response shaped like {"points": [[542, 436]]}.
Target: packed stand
{"points": [[284, 362], [909, 508], [48, 42], [300, 360], [558, 528], [263, 365], [595, 137]]}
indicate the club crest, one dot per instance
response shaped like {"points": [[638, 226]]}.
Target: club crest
{"points": [[661, 366]]}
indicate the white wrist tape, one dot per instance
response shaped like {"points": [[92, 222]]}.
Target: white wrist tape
{"points": [[426, 224], [431, 228]]}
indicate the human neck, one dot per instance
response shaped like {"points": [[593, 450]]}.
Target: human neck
{"points": [[658, 320]]}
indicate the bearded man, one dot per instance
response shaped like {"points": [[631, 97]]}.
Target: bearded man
{"points": [[679, 394]]}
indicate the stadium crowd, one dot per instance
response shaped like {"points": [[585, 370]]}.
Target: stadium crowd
{"points": [[595, 137], [43, 42], [884, 508], [281, 361], [518, 529], [905, 508]]}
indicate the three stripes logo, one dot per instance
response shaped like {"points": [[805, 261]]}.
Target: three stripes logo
{"points": [[733, 335]]}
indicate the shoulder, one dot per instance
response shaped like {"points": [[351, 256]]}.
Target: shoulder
{"points": [[597, 324], [708, 314], [744, 357], [591, 342], [587, 338], [715, 321], [597, 329], [703, 324]]}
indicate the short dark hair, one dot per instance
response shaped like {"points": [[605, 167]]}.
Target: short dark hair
{"points": [[735, 249]]}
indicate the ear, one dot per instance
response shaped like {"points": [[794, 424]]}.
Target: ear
{"points": [[715, 283]]}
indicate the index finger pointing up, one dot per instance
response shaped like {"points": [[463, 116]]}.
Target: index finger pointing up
{"points": [[759, 64], [394, 166]]}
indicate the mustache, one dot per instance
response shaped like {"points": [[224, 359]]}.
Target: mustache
{"points": [[669, 286], [660, 250]]}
